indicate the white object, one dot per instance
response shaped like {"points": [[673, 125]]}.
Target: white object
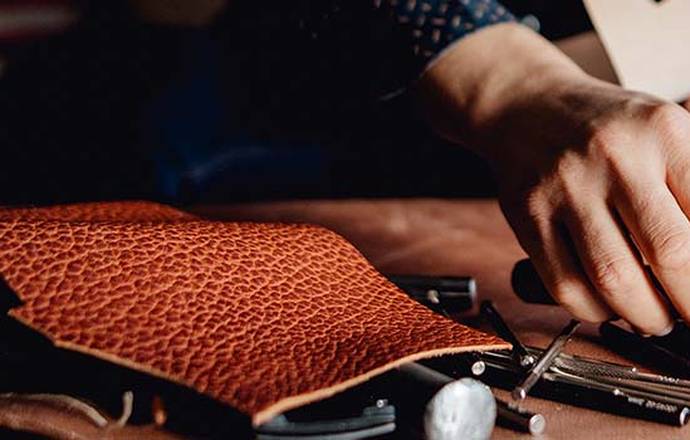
{"points": [[463, 409], [648, 43]]}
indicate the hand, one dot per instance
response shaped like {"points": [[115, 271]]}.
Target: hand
{"points": [[602, 184], [594, 179]]}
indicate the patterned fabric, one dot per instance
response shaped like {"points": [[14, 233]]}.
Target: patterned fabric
{"points": [[434, 24]]}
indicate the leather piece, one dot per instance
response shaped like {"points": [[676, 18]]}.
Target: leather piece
{"points": [[462, 237], [263, 317]]}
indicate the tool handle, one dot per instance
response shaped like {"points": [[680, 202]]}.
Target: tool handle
{"points": [[455, 294], [528, 285]]}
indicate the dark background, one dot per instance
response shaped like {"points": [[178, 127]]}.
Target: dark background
{"points": [[93, 111]]}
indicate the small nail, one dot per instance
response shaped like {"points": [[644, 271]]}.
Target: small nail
{"points": [[640, 332], [666, 331]]}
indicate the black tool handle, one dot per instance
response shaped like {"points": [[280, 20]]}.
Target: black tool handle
{"points": [[528, 285], [455, 294], [649, 351]]}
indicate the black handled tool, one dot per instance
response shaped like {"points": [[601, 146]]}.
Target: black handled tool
{"points": [[520, 353], [453, 294], [669, 353], [529, 287]]}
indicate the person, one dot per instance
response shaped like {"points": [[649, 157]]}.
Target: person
{"points": [[593, 179]]}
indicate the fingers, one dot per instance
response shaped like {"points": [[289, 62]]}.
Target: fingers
{"points": [[551, 252], [615, 270], [662, 232]]}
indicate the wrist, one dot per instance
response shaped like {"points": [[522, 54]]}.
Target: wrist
{"points": [[480, 83], [535, 99]]}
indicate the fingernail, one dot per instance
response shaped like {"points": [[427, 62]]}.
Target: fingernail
{"points": [[666, 331], [640, 332]]}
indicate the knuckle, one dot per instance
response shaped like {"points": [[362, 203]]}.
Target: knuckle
{"points": [[604, 141], [671, 121], [672, 251], [572, 193], [566, 293], [668, 116], [613, 277], [572, 297], [536, 209]]}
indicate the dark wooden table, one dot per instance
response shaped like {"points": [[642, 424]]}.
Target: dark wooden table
{"points": [[439, 237]]}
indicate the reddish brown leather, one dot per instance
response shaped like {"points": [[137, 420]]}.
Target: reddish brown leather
{"points": [[263, 317]]}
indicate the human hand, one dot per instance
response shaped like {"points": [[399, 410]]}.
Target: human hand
{"points": [[594, 179]]}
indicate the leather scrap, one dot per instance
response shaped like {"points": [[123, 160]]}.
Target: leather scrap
{"points": [[262, 317]]}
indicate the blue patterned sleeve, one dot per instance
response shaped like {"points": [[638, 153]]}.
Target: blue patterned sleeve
{"points": [[395, 40], [433, 25]]}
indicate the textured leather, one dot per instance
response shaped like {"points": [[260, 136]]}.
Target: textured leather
{"points": [[460, 237], [263, 317]]}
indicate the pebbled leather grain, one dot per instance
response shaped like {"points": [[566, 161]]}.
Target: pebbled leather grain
{"points": [[263, 317]]}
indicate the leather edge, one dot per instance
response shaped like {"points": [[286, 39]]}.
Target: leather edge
{"points": [[292, 402], [285, 404], [107, 357]]}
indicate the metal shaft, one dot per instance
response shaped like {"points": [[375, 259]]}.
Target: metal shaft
{"points": [[507, 415], [545, 361], [488, 310]]}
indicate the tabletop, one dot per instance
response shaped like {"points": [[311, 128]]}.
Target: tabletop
{"points": [[461, 237]]}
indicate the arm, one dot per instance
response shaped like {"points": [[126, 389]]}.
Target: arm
{"points": [[593, 178]]}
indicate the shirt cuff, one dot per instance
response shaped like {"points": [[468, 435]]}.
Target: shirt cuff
{"points": [[433, 25]]}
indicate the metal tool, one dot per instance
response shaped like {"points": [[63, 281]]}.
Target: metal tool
{"points": [[602, 371], [592, 383], [510, 416], [453, 294], [501, 371], [467, 404], [545, 361], [635, 397], [670, 353], [375, 420], [520, 353]]}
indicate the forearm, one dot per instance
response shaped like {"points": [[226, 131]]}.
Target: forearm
{"points": [[481, 77]]}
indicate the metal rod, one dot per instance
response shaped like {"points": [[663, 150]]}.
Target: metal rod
{"points": [[507, 415], [516, 418], [545, 361], [520, 352]]}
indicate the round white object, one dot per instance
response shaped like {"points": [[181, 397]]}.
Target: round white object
{"points": [[463, 409]]}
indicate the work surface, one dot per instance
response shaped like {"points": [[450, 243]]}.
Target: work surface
{"points": [[437, 237]]}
